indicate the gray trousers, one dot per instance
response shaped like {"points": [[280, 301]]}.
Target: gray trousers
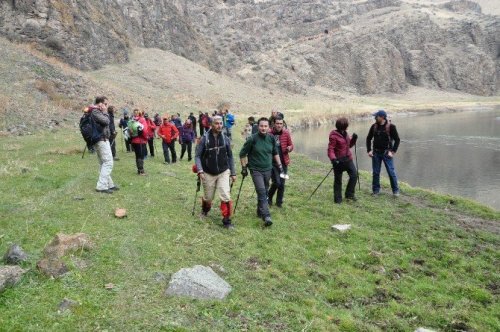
{"points": [[261, 183]]}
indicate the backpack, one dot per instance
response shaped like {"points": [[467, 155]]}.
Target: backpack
{"points": [[135, 128], [90, 130]]}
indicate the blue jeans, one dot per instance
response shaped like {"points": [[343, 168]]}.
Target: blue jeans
{"points": [[377, 159]]}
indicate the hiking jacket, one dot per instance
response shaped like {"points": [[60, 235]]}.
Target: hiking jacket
{"points": [[260, 150], [123, 122], [142, 138], [381, 141], [214, 155], [102, 119], [187, 133], [193, 123], [112, 129], [168, 132], [339, 147], [150, 132], [285, 141], [229, 120]]}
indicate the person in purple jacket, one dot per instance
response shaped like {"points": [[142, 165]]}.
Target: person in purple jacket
{"points": [[187, 136]]}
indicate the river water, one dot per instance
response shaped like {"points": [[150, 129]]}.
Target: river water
{"points": [[454, 153]]}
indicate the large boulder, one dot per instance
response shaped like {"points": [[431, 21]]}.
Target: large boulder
{"points": [[10, 275], [199, 282]]}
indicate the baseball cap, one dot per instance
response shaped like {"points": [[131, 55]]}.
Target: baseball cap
{"points": [[380, 113]]}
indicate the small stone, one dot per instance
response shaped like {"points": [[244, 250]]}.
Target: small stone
{"points": [[341, 228], [199, 282], [52, 267], [109, 286], [78, 198], [67, 304], [422, 329], [120, 213], [15, 255], [9, 276]]}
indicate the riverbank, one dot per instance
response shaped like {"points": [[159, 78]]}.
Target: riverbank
{"points": [[421, 260]]}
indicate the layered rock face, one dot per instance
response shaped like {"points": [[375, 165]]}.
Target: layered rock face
{"points": [[365, 47]]}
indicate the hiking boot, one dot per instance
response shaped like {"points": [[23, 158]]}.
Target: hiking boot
{"points": [[396, 194], [279, 205], [352, 198], [226, 223], [376, 193], [104, 191], [267, 221], [114, 188]]}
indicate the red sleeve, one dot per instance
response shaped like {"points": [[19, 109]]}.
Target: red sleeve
{"points": [[290, 143], [176, 132], [331, 148]]}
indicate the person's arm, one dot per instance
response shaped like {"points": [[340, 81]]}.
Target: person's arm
{"points": [[369, 139], [289, 144], [176, 132], [395, 137], [245, 150], [100, 117], [200, 149], [353, 140], [331, 148]]}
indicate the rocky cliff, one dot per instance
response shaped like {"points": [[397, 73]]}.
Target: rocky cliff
{"points": [[365, 47]]}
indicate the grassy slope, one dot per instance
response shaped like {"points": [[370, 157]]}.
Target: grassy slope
{"points": [[415, 261]]}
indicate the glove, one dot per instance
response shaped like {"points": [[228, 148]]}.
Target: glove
{"points": [[335, 162], [354, 136], [244, 171]]}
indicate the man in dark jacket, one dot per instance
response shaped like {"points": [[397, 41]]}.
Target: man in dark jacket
{"points": [[215, 167], [284, 145], [385, 144], [112, 130], [257, 154], [102, 147]]}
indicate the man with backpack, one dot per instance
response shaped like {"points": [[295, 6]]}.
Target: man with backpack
{"points": [[215, 167], [257, 154], [385, 144], [137, 129], [169, 134], [284, 145], [99, 114], [124, 127]]}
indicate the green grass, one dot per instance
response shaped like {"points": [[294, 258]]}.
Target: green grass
{"points": [[405, 263]]}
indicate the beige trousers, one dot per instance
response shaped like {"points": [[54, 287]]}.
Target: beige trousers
{"points": [[105, 157], [219, 182]]}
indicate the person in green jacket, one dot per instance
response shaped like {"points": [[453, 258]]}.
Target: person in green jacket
{"points": [[257, 154]]}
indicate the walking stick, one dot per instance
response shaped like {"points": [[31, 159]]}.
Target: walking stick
{"points": [[319, 185], [357, 168], [239, 192], [84, 149], [198, 186]]}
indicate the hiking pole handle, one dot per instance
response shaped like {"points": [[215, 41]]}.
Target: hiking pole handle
{"points": [[319, 185]]}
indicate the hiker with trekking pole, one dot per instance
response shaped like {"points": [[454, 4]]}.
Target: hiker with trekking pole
{"points": [[385, 144], [339, 153], [215, 168], [257, 154]]}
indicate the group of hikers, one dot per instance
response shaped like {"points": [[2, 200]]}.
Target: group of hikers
{"points": [[264, 155]]}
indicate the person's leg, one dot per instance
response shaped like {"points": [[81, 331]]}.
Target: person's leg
{"points": [[258, 179], [351, 185], [275, 182], [112, 144], [209, 186], [128, 145], [190, 149], [165, 151], [391, 171], [139, 157], [376, 165], [183, 150], [226, 205], [172, 151], [103, 150], [337, 183], [281, 188], [151, 147]]}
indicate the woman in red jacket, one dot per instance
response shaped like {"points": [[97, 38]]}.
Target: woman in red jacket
{"points": [[339, 152], [139, 139]]}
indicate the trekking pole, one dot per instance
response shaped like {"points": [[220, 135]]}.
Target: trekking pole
{"points": [[319, 185], [198, 186], [357, 168], [84, 149], [239, 192]]}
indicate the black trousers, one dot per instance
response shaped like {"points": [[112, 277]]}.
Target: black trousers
{"points": [[112, 143], [278, 184], [166, 147], [139, 156], [151, 143], [187, 146], [347, 166]]}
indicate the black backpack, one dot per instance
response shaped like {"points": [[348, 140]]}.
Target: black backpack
{"points": [[90, 130]]}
